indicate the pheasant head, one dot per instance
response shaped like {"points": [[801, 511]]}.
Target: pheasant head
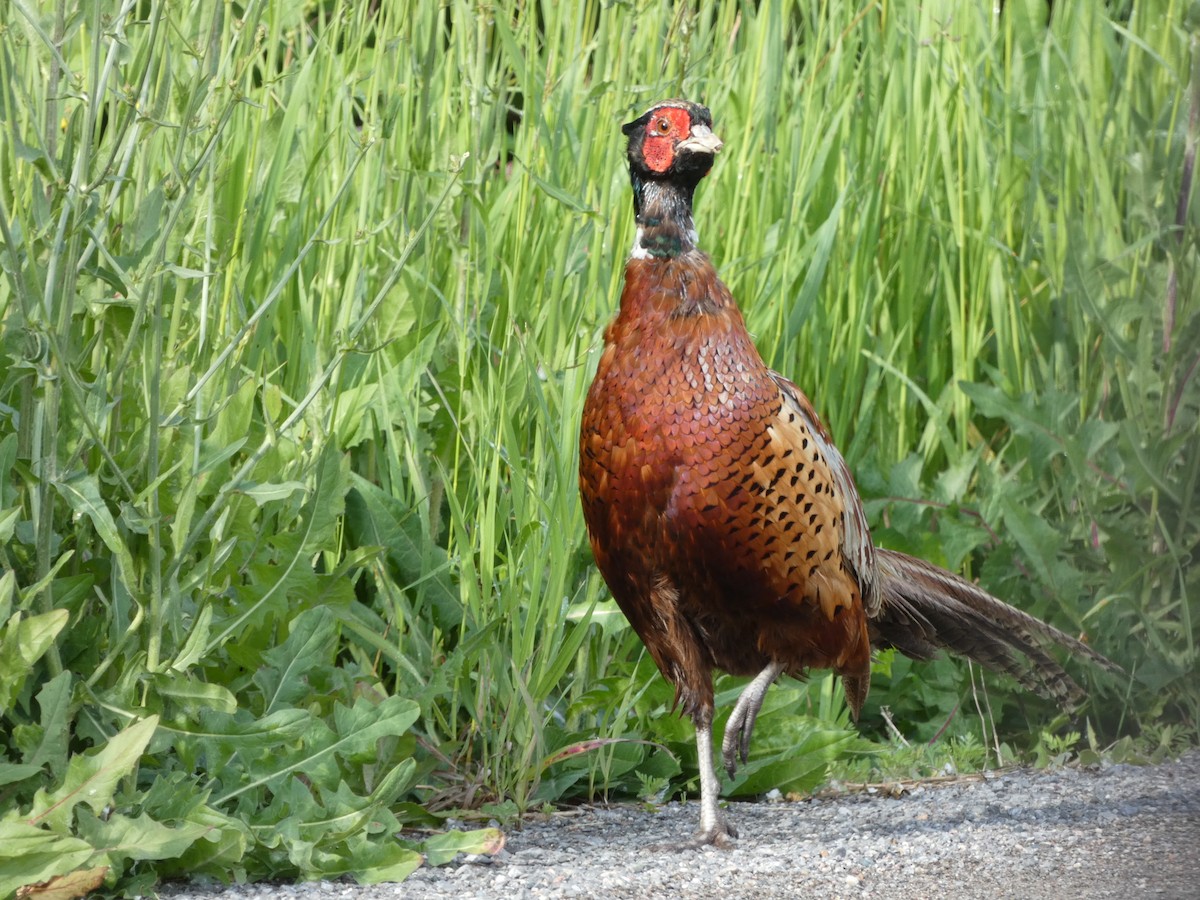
{"points": [[671, 147]]}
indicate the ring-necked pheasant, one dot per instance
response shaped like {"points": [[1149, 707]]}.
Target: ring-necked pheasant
{"points": [[721, 515]]}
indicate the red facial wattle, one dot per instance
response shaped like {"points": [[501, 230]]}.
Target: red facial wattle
{"points": [[667, 127]]}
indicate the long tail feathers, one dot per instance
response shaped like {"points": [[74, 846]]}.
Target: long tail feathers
{"points": [[924, 608]]}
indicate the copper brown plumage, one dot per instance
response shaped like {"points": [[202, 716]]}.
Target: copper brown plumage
{"points": [[721, 515]]}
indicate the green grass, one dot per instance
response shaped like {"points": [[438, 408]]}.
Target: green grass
{"points": [[299, 304]]}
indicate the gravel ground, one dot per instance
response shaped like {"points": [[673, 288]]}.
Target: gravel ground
{"points": [[1120, 831]]}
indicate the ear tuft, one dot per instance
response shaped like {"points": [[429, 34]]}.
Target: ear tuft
{"points": [[630, 127]]}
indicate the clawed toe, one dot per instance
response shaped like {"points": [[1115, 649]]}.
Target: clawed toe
{"points": [[722, 836], [735, 746], [730, 765], [735, 743]]}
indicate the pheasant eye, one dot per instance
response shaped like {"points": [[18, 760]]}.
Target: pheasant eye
{"points": [[663, 125]]}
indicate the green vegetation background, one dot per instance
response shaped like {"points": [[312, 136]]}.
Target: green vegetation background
{"points": [[299, 303]]}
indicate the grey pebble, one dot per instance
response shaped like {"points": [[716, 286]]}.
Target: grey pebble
{"points": [[1112, 832]]}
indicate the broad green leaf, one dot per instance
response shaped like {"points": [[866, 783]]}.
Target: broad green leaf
{"points": [[10, 772], [92, 778], [442, 848], [384, 863], [361, 725], [29, 855], [22, 644], [185, 509], [149, 217], [222, 848], [82, 494], [280, 581], [378, 519], [799, 765], [8, 457], [230, 745], [244, 731], [8, 522], [193, 648], [69, 591], [232, 427], [185, 272], [8, 588], [215, 453], [345, 814], [367, 861], [29, 594], [54, 700], [1038, 540], [191, 694], [271, 490], [358, 727], [311, 642], [328, 501], [411, 813], [122, 837]]}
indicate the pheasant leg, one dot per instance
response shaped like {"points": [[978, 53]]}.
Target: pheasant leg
{"points": [[715, 829], [736, 742]]}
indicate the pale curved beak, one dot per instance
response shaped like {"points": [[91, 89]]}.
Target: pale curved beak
{"points": [[702, 140]]}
